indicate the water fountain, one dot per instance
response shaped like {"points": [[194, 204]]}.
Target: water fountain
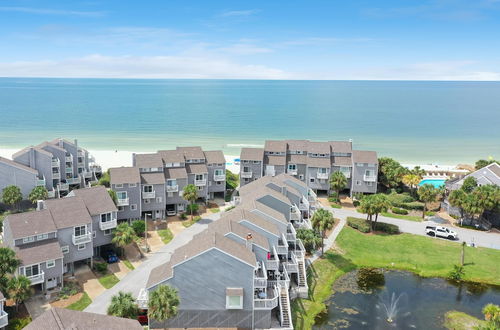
{"points": [[391, 308]]}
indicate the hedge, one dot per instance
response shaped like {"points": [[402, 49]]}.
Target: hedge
{"points": [[387, 228], [400, 198], [364, 226], [418, 206], [397, 210]]}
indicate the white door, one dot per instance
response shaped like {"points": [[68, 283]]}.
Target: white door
{"points": [[270, 170], [51, 283]]}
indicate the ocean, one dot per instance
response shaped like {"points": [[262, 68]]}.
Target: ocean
{"points": [[412, 121]]}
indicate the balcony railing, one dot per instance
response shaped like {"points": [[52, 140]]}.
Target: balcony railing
{"points": [[82, 239], [40, 182], [369, 178], [37, 279], [63, 186], [322, 175], [73, 180], [291, 234], [220, 177], [173, 188], [69, 158], [295, 213], [267, 303], [81, 153], [69, 170], [96, 168], [260, 282], [107, 225], [146, 195], [56, 175], [55, 162], [199, 183], [122, 202], [273, 263], [292, 172], [4, 319], [246, 175], [270, 172], [52, 193], [142, 299], [87, 175], [292, 266]]}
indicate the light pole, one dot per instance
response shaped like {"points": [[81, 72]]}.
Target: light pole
{"points": [[146, 229]]}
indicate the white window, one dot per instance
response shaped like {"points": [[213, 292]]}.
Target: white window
{"points": [[370, 165], [106, 217], [311, 180], [219, 172], [234, 298], [369, 184], [81, 247], [94, 234], [200, 188], [199, 177], [65, 249], [120, 185], [360, 164], [121, 208], [146, 201], [369, 173], [132, 185], [121, 194], [32, 270], [80, 230], [158, 199], [147, 189], [292, 167], [358, 183], [133, 207], [50, 264], [28, 239], [301, 176], [107, 232], [323, 170], [256, 161], [42, 236]]}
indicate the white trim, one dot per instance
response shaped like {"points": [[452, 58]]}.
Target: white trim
{"points": [[240, 306], [63, 248], [53, 262], [80, 247]]}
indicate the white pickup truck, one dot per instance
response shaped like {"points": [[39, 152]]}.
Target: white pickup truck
{"points": [[441, 231]]}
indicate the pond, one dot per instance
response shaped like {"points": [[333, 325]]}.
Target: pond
{"points": [[378, 299]]}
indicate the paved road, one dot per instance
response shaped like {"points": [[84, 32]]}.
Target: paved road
{"points": [[480, 238], [136, 280]]}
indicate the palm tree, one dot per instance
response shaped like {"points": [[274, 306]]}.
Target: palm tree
{"points": [[38, 193], [412, 180], [380, 204], [19, 289], [322, 220], [457, 199], [123, 305], [124, 234], [11, 195], [190, 194], [8, 265], [427, 194], [338, 181], [163, 303], [483, 198], [367, 205]]}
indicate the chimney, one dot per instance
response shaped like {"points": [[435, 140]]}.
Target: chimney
{"points": [[133, 159], [76, 143], [32, 157], [40, 205], [61, 143], [249, 241]]}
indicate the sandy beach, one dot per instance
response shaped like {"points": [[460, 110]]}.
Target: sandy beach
{"points": [[118, 158]]}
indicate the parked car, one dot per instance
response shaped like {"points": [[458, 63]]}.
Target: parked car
{"points": [[142, 317], [440, 231], [110, 256]]}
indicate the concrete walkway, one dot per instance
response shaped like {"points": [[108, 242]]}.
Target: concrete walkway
{"points": [[136, 280], [328, 242]]}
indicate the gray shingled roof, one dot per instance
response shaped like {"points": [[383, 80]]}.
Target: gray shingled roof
{"points": [[66, 319], [319, 162], [275, 160], [242, 214], [27, 149], [297, 145], [120, 175], [495, 168], [148, 160], [152, 178], [341, 146], [319, 147], [226, 225], [204, 241], [30, 254], [297, 159], [192, 152], [30, 223], [342, 161], [68, 212], [96, 199], [176, 173], [275, 145], [172, 156], [196, 168], [360, 156], [215, 157], [252, 154], [17, 165]]}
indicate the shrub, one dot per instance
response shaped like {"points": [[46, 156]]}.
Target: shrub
{"points": [[335, 206], [457, 273], [360, 224], [410, 206], [387, 228], [400, 198], [227, 198], [310, 238], [397, 210], [183, 216], [138, 226], [193, 207], [230, 208], [430, 213], [69, 289], [356, 203], [101, 267], [19, 323], [333, 199]]}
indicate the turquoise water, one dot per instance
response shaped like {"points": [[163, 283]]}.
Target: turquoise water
{"points": [[398, 119], [435, 182]]}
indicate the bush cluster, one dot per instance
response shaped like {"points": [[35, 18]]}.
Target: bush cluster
{"points": [[360, 224], [387, 228], [397, 210], [193, 207], [101, 267], [418, 206]]}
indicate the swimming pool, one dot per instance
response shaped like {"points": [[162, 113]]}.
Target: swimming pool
{"points": [[435, 182]]}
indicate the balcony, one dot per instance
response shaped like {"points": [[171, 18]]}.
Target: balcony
{"points": [[56, 175], [200, 183], [52, 193], [270, 302], [63, 186], [87, 175], [122, 202], [291, 234], [69, 170], [304, 204], [322, 176], [55, 162], [173, 189], [369, 178], [73, 180], [221, 177], [270, 172], [96, 168], [81, 153], [37, 279], [4, 319], [295, 213], [107, 225], [40, 182], [82, 239], [68, 159], [246, 175], [147, 195], [273, 263]]}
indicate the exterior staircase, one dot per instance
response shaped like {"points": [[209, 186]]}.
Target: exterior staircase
{"points": [[303, 289], [285, 311]]}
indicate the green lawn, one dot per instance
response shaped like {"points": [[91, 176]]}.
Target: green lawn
{"points": [[165, 235], [400, 216], [335, 206], [108, 281], [215, 210], [189, 223], [423, 255], [455, 320], [81, 304], [128, 264]]}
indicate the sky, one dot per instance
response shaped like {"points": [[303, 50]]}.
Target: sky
{"points": [[314, 39]]}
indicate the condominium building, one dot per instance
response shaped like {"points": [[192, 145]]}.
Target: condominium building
{"points": [[153, 185], [60, 234], [242, 271], [312, 163], [58, 165], [4, 317]]}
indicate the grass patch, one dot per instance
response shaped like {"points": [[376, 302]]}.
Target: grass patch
{"points": [[18, 323], [165, 235], [455, 320], [81, 304], [422, 255], [189, 223], [335, 206], [108, 281], [400, 216], [128, 264], [320, 276], [215, 210]]}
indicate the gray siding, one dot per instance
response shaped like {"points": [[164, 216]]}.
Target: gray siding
{"points": [[11, 175], [100, 238], [213, 186], [65, 238], [157, 203], [134, 195], [255, 168], [358, 183], [318, 184]]}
